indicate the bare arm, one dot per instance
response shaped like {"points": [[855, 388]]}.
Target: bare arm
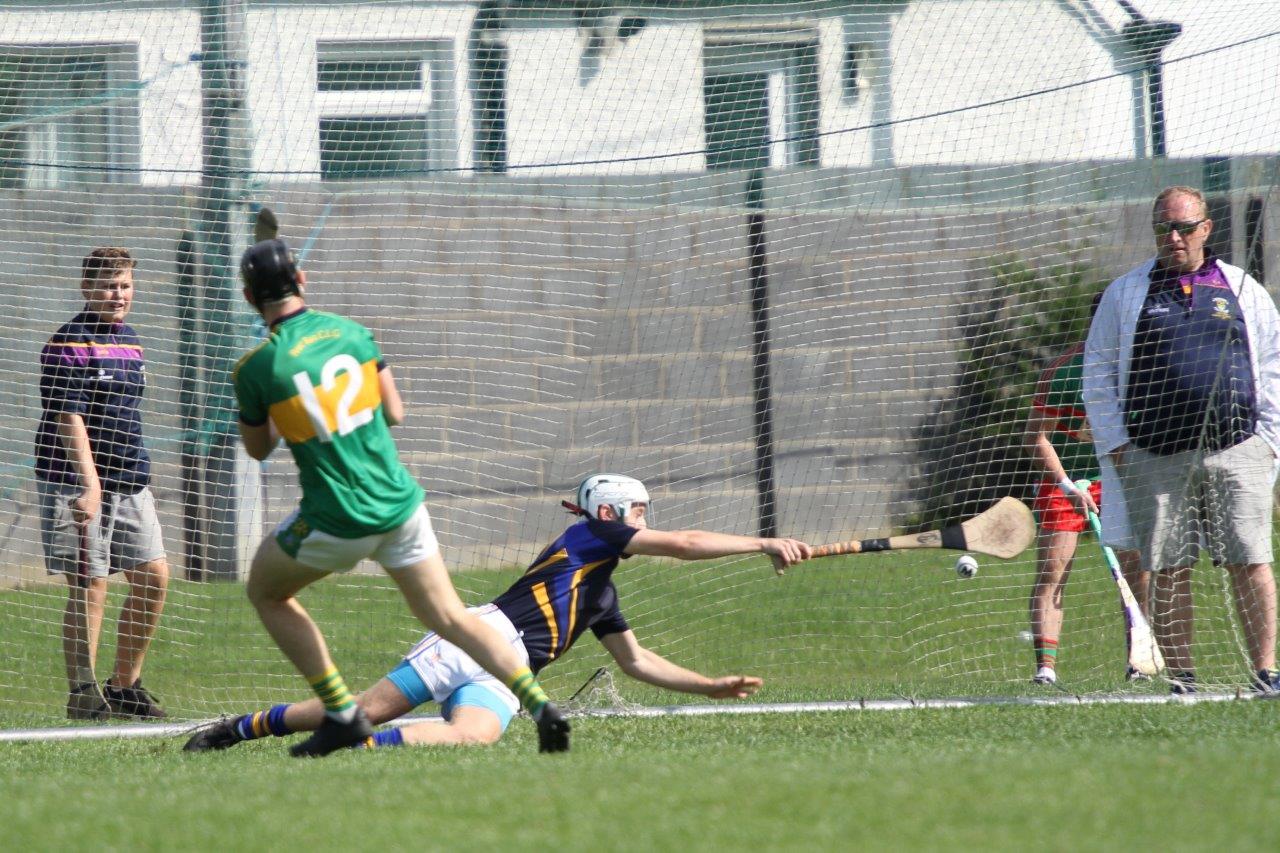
{"points": [[651, 668], [705, 545], [75, 440], [259, 440], [392, 405], [1037, 442]]}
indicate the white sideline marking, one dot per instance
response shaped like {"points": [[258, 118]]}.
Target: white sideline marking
{"points": [[174, 729]]}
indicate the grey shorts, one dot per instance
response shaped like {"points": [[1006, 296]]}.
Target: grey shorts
{"points": [[125, 534], [1221, 499]]}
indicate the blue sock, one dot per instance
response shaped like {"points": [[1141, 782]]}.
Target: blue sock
{"points": [[263, 723], [390, 737]]}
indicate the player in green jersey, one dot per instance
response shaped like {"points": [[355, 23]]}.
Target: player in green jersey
{"points": [[319, 382]]}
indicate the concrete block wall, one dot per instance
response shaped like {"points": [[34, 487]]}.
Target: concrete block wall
{"points": [[541, 330]]}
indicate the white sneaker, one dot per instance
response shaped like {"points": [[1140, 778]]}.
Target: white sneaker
{"points": [[1045, 675]]}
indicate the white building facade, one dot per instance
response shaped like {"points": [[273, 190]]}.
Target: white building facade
{"points": [[102, 91]]}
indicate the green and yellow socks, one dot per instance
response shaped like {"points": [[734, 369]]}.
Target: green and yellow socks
{"points": [[339, 704], [528, 691]]}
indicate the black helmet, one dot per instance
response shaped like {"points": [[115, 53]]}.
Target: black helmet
{"points": [[268, 269]]}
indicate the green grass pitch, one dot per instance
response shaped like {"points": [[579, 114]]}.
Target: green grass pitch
{"points": [[1095, 777], [1005, 778], [879, 626]]}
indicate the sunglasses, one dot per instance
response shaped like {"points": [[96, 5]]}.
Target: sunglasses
{"points": [[1162, 229]]}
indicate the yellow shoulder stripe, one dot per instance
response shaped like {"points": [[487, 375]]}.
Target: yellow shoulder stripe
{"points": [[235, 371]]}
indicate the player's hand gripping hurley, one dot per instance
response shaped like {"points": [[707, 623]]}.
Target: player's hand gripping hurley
{"points": [[1144, 652], [1005, 531]]}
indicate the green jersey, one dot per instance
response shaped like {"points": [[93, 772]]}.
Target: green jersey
{"points": [[1060, 401], [316, 378]]}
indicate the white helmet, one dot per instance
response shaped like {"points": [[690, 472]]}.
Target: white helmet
{"points": [[616, 490]]}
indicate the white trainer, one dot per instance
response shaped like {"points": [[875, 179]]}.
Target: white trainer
{"points": [[1045, 675]]}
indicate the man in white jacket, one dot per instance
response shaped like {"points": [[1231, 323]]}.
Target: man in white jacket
{"points": [[1182, 390]]}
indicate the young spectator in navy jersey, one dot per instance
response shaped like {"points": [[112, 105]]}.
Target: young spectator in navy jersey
{"points": [[567, 590], [97, 514]]}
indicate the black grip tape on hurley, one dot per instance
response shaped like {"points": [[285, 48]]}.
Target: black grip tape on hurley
{"points": [[953, 537], [874, 545]]}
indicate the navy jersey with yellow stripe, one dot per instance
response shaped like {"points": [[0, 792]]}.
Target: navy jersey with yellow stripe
{"points": [[568, 589]]}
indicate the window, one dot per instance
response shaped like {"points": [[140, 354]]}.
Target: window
{"points": [[386, 108], [855, 70], [761, 100], [372, 147], [374, 75], [69, 114]]}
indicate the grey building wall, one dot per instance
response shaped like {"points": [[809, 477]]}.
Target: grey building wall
{"points": [[543, 330]]}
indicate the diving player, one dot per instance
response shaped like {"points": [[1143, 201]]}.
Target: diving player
{"points": [[566, 590]]}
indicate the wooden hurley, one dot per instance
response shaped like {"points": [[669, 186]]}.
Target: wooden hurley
{"points": [[1005, 531]]}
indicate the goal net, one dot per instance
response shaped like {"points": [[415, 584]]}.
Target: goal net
{"points": [[797, 266]]}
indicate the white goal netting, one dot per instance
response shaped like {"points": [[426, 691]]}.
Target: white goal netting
{"points": [[797, 266]]}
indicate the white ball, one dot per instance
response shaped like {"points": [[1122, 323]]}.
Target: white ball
{"points": [[966, 566]]}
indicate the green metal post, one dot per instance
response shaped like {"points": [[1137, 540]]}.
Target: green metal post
{"points": [[220, 234]]}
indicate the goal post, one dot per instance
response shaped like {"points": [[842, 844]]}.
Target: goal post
{"points": [[798, 267]]}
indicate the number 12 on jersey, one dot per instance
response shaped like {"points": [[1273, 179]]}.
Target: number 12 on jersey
{"points": [[344, 403]]}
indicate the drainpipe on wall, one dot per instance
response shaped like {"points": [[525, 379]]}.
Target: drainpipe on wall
{"points": [[1148, 39]]}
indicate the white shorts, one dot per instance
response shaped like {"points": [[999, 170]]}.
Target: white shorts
{"points": [[443, 667], [406, 545]]}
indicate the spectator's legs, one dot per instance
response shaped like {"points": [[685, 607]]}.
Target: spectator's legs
{"points": [[1139, 581], [81, 627], [1172, 611], [1255, 593], [148, 584]]}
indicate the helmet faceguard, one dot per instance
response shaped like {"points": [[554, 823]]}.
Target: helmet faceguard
{"points": [[615, 490]]}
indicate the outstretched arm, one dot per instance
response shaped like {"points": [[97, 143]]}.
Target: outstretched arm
{"points": [[651, 668], [704, 545]]}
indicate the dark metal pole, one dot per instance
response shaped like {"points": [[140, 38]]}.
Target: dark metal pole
{"points": [[1155, 92], [762, 393], [224, 172], [489, 83], [1254, 250], [1217, 193]]}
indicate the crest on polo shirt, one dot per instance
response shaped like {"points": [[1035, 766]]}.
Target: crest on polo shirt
{"points": [[1221, 309]]}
